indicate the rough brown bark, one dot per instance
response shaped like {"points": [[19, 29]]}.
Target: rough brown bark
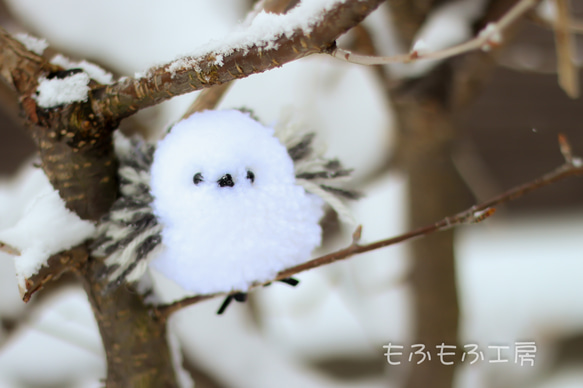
{"points": [[74, 143], [127, 96], [138, 353], [76, 152]]}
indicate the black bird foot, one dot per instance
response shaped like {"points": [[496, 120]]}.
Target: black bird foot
{"points": [[239, 297], [242, 296], [291, 281]]}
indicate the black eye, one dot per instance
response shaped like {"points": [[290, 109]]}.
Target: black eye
{"points": [[197, 178], [250, 176]]}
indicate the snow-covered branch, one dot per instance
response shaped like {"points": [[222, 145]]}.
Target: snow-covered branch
{"points": [[270, 41], [477, 213], [70, 260], [210, 97], [74, 143], [6, 248], [19, 66]]}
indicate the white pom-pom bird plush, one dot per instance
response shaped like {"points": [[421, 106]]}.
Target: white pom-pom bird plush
{"points": [[218, 205]]}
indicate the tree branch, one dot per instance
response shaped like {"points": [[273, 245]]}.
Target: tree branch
{"points": [[20, 67], [75, 144], [73, 259], [9, 249], [564, 40], [477, 213], [225, 64], [487, 38], [77, 155], [210, 97]]}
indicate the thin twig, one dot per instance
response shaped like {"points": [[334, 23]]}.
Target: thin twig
{"points": [[9, 249], [576, 26], [477, 213], [70, 260], [488, 38], [568, 74], [208, 99]]}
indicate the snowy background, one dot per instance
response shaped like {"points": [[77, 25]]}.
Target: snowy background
{"points": [[519, 276]]}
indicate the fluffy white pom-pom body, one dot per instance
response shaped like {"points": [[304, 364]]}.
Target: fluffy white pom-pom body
{"points": [[243, 218]]}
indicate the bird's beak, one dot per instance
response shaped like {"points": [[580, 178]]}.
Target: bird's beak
{"points": [[226, 181]]}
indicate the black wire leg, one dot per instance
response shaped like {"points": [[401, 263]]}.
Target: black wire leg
{"points": [[291, 281], [239, 297]]}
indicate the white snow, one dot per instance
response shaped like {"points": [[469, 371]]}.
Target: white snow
{"points": [[225, 238], [56, 91], [11, 305], [547, 10], [41, 227], [448, 25], [184, 378], [263, 31], [420, 47], [176, 65], [361, 300], [515, 261], [262, 363], [493, 35], [32, 43], [94, 71], [58, 346], [129, 35], [519, 280]]}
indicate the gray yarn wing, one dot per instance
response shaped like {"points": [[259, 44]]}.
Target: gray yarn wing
{"points": [[318, 175], [130, 233]]}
